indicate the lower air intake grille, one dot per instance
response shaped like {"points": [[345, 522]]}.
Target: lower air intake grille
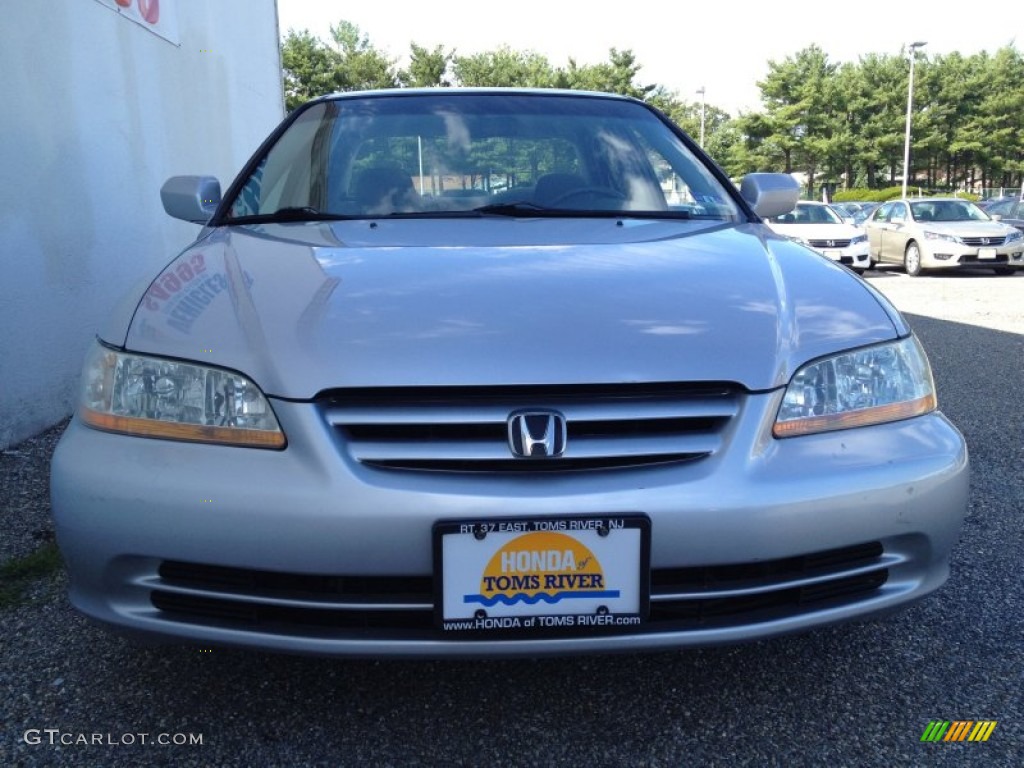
{"points": [[396, 607]]}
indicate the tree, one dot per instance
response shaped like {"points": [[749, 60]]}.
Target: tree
{"points": [[427, 69], [719, 129], [842, 145], [878, 98], [756, 148], [309, 66], [504, 67], [617, 75], [1000, 117], [799, 97], [361, 66], [313, 67], [837, 122]]}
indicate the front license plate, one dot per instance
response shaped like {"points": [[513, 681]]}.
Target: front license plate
{"points": [[986, 253], [833, 254], [535, 575]]}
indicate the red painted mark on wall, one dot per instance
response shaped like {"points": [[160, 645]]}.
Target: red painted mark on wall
{"points": [[148, 9]]}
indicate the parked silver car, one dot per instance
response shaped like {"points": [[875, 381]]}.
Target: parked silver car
{"points": [[942, 233], [494, 372]]}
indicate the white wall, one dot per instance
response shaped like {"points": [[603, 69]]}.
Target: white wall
{"points": [[95, 113]]}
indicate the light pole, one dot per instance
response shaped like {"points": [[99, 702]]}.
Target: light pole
{"points": [[910, 105], [701, 92]]}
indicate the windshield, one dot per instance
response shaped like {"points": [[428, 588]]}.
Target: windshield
{"points": [[475, 153], [947, 210], [809, 214]]}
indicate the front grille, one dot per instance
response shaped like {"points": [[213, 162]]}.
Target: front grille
{"points": [[402, 607], [982, 242], [728, 594], [972, 258], [466, 429], [257, 600], [829, 243]]}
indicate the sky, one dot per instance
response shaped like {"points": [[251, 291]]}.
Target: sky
{"points": [[723, 47]]}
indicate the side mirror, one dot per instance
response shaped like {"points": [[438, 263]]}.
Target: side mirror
{"points": [[996, 217], [770, 194], [191, 198]]}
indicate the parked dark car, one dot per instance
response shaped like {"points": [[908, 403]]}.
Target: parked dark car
{"points": [[862, 215], [1010, 210]]}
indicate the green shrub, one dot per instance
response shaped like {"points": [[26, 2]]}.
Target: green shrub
{"points": [[868, 195], [893, 193]]}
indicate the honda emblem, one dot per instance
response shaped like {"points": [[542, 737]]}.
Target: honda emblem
{"points": [[537, 434]]}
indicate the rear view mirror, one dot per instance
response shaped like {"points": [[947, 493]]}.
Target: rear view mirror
{"points": [[191, 198], [770, 194]]}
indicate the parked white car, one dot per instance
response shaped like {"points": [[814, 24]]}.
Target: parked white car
{"points": [[819, 227]]}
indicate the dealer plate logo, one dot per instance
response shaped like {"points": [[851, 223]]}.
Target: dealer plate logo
{"points": [[551, 567]]}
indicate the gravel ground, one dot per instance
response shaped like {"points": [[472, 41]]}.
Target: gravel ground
{"points": [[25, 494], [855, 695]]}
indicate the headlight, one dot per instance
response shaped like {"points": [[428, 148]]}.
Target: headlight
{"points": [[887, 382], [859, 239], [928, 235], [155, 397], [1015, 236]]}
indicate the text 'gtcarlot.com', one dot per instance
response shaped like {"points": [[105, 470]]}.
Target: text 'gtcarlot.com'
{"points": [[55, 737]]}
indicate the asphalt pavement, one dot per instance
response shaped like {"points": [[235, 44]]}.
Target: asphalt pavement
{"points": [[854, 695]]}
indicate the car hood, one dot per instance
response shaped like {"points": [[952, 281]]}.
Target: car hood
{"points": [[968, 228], [302, 308], [818, 231]]}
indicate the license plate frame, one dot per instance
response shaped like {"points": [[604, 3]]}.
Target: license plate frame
{"points": [[988, 254], [537, 575]]}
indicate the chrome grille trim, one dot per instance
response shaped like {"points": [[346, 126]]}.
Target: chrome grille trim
{"points": [[402, 607], [829, 243], [976, 242], [882, 565], [467, 431], [320, 604]]}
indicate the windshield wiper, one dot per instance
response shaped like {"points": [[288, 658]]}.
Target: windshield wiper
{"points": [[527, 209], [517, 208], [291, 213]]}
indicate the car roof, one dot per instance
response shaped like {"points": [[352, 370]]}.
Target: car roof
{"points": [[932, 200], [479, 90]]}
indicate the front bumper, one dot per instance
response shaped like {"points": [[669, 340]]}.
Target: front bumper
{"points": [[307, 551], [947, 255], [856, 256]]}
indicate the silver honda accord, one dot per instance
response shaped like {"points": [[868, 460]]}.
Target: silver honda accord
{"points": [[498, 372]]}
